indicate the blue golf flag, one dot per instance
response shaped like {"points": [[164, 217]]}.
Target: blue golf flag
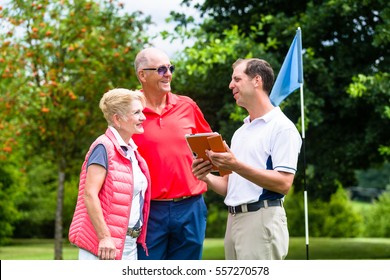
{"points": [[290, 76]]}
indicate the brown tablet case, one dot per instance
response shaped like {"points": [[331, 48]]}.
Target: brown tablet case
{"points": [[201, 142]]}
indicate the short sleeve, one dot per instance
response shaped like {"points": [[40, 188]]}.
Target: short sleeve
{"points": [[98, 156], [286, 151]]}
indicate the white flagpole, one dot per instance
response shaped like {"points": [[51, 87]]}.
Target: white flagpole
{"points": [[300, 80], [304, 173]]}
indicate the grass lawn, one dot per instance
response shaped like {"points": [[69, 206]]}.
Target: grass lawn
{"points": [[319, 249], [340, 249]]}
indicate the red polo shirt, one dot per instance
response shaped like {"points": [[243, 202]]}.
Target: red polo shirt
{"points": [[165, 149]]}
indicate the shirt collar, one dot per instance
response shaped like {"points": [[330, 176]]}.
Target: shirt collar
{"points": [[171, 100], [131, 145], [267, 117]]}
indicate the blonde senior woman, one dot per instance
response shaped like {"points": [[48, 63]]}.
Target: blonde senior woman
{"points": [[113, 201]]}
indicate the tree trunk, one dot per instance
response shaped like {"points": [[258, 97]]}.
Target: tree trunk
{"points": [[59, 211]]}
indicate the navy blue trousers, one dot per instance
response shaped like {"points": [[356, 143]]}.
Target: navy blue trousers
{"points": [[176, 230]]}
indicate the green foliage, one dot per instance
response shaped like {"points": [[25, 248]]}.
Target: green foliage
{"points": [[8, 212], [295, 209], [373, 90], [37, 207], [294, 206], [217, 215], [377, 222], [57, 65], [12, 191], [70, 198], [378, 177], [334, 219], [341, 219]]}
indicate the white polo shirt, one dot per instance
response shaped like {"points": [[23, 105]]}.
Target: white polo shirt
{"points": [[272, 137], [140, 181]]}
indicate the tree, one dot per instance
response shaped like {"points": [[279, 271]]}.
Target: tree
{"points": [[10, 194], [376, 178], [57, 58]]}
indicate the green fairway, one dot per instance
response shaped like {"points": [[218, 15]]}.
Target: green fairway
{"points": [[319, 249], [340, 249]]}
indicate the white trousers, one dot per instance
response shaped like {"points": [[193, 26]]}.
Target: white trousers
{"points": [[129, 251]]}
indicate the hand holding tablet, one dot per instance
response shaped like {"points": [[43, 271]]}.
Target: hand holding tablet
{"points": [[200, 142]]}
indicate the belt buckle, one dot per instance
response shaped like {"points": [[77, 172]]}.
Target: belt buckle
{"points": [[134, 232], [177, 199], [232, 210]]}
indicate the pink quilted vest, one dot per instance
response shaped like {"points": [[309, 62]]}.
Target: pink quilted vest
{"points": [[115, 197]]}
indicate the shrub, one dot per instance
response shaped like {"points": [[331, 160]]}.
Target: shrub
{"points": [[216, 221], [342, 220], [336, 218], [377, 222]]}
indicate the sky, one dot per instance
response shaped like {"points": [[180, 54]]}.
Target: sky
{"points": [[159, 10]]}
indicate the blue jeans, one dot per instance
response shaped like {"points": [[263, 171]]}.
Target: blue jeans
{"points": [[176, 230]]}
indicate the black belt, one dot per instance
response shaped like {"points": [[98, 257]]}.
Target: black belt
{"points": [[251, 207], [133, 232]]}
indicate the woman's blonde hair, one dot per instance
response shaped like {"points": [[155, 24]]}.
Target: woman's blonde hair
{"points": [[118, 101]]}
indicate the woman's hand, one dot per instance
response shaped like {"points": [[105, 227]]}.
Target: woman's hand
{"points": [[107, 250]]}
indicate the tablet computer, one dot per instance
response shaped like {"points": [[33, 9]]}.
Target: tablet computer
{"points": [[200, 142]]}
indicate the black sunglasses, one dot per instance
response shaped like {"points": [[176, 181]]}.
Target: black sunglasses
{"points": [[162, 70]]}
